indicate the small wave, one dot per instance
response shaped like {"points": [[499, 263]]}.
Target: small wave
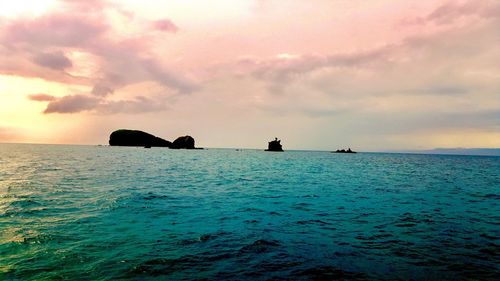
{"points": [[260, 246], [251, 210], [488, 195], [203, 238], [493, 251], [25, 203], [329, 273], [405, 224], [156, 267], [410, 220], [488, 236], [310, 196], [302, 206], [347, 254], [318, 222], [151, 196], [166, 266]]}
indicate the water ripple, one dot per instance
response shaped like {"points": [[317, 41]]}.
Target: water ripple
{"points": [[110, 213]]}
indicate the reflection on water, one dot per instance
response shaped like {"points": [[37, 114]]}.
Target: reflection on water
{"points": [[82, 212]]}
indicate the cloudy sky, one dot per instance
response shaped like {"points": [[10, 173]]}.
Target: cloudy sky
{"points": [[319, 74]]}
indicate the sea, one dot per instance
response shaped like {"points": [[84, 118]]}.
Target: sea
{"points": [[72, 212]]}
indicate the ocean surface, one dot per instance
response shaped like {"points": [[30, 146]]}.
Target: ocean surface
{"points": [[118, 213]]}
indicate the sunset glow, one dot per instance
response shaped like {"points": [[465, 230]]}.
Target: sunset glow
{"points": [[375, 75]]}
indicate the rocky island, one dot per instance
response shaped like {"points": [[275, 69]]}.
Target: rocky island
{"points": [[186, 142], [275, 145], [344, 151], [125, 137]]}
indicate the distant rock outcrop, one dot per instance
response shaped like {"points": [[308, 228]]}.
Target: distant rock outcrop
{"points": [[274, 145], [186, 142], [136, 138], [345, 151], [140, 138]]}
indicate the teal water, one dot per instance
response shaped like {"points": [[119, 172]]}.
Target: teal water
{"points": [[117, 213]]}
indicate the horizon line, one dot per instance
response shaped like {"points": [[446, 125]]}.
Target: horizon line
{"points": [[430, 151]]}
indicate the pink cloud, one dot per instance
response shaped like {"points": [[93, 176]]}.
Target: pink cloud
{"points": [[99, 105], [122, 60], [87, 4], [41, 97], [139, 104], [58, 29], [72, 104], [54, 60], [161, 74], [452, 11], [282, 70], [101, 89], [165, 25]]}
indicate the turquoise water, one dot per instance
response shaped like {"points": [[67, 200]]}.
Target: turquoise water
{"points": [[111, 213]]}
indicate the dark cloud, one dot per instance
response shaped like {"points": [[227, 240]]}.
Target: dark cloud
{"points": [[166, 77], [54, 60], [447, 90], [57, 29], [393, 69], [99, 105], [72, 104], [427, 83], [165, 25], [21, 63], [284, 70], [452, 11], [139, 104], [41, 97], [122, 60], [101, 89]]}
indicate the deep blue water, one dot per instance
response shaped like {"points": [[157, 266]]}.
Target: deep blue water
{"points": [[116, 213]]}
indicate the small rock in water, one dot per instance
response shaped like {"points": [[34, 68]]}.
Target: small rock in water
{"points": [[274, 145]]}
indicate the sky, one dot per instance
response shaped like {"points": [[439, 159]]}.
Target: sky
{"points": [[320, 74]]}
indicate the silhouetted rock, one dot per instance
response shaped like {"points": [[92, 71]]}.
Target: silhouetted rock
{"points": [[345, 151], [136, 138], [186, 142], [274, 145]]}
